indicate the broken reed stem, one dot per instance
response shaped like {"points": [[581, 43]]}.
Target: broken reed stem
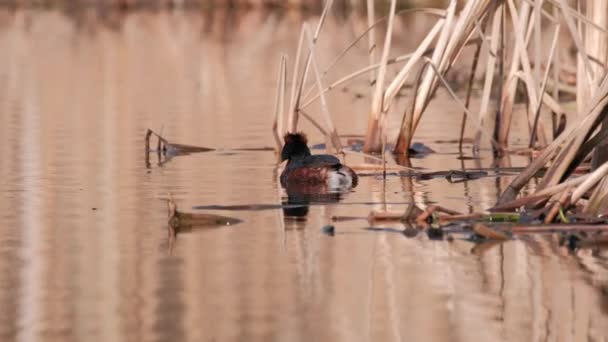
{"points": [[490, 69], [469, 92], [422, 97], [499, 116], [399, 81], [333, 134], [371, 41], [559, 203], [556, 228], [445, 219], [580, 48], [161, 140], [277, 126], [579, 16], [375, 127], [296, 92], [313, 122], [364, 70], [384, 160], [453, 95], [593, 179], [540, 195], [455, 34], [406, 132], [510, 86], [430, 11], [519, 24], [597, 203], [576, 139], [147, 139], [355, 74], [543, 86], [376, 167], [556, 62], [408, 125], [292, 120], [574, 136], [538, 42]]}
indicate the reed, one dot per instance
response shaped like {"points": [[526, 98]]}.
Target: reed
{"points": [[277, 126], [375, 125]]}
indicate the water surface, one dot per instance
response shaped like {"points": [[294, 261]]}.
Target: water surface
{"points": [[84, 247]]}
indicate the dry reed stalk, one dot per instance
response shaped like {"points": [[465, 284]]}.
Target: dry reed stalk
{"points": [[375, 121], [468, 98], [355, 74], [566, 152], [559, 202], [448, 211], [547, 99], [371, 41], [490, 69], [374, 167], [539, 195], [399, 80], [556, 228], [584, 78], [376, 215], [523, 61], [445, 219], [455, 34], [364, 70], [424, 91], [147, 142], [596, 45], [508, 93], [277, 126], [579, 16], [313, 122], [489, 233], [564, 149], [593, 179], [519, 202], [567, 155], [538, 5], [556, 62], [402, 142], [553, 103], [464, 28], [296, 93], [292, 121], [333, 134], [543, 87], [430, 11], [598, 202]]}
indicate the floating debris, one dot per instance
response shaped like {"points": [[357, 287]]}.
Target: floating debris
{"points": [[178, 219], [166, 150], [329, 230], [490, 233], [419, 149]]}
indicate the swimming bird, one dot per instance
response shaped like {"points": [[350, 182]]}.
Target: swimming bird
{"points": [[304, 168]]}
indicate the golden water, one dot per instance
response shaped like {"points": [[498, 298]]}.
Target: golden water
{"points": [[84, 248]]}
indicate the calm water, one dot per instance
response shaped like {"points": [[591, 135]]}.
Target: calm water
{"points": [[84, 247]]}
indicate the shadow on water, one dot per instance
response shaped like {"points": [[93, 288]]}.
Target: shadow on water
{"points": [[300, 196]]}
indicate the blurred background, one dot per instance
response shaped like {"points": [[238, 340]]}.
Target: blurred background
{"points": [[86, 253]]}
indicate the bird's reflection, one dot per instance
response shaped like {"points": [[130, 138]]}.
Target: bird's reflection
{"points": [[301, 196]]}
